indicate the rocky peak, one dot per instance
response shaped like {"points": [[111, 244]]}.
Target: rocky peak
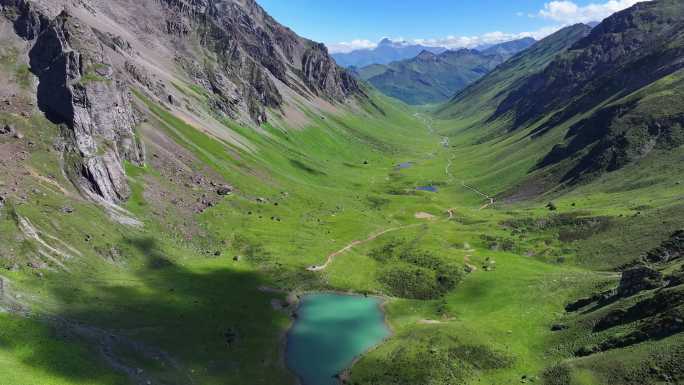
{"points": [[255, 53], [426, 55], [385, 42]]}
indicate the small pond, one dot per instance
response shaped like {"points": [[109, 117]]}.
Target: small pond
{"points": [[427, 188], [330, 331]]}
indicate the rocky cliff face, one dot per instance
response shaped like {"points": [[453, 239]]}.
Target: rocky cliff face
{"points": [[255, 55], [78, 88], [247, 63]]}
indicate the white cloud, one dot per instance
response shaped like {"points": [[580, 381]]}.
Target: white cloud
{"points": [[568, 12], [451, 42], [561, 12], [348, 46], [454, 42]]}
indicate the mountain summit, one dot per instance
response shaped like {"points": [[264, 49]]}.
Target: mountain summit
{"points": [[386, 52]]}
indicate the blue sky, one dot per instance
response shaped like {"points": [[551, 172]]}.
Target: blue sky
{"points": [[347, 24]]}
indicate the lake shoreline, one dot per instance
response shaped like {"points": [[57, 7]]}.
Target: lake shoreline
{"points": [[295, 299]]}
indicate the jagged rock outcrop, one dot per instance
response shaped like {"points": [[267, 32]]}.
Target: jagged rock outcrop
{"points": [[669, 250], [637, 279], [27, 19], [247, 62], [254, 53], [323, 76], [79, 89], [646, 298]]}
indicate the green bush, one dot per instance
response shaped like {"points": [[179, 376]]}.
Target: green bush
{"points": [[449, 275], [420, 258], [388, 251], [409, 281], [420, 366], [415, 273], [481, 357]]}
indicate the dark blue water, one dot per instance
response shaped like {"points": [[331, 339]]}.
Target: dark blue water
{"points": [[330, 331], [427, 188]]}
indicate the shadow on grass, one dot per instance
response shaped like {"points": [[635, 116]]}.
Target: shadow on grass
{"points": [[165, 323]]}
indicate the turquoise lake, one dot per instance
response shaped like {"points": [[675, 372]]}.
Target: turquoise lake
{"points": [[330, 331]]}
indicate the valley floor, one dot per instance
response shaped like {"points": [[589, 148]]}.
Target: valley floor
{"points": [[181, 299]]}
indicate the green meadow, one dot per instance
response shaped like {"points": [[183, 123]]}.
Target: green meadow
{"points": [[189, 309]]}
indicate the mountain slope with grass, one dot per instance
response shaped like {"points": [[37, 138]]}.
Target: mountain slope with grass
{"points": [[487, 92], [612, 95], [432, 78]]}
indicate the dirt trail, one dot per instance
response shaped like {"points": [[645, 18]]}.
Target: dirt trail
{"points": [[445, 143], [466, 260], [489, 198], [351, 245]]}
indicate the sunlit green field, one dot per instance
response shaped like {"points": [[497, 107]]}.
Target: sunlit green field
{"points": [[197, 315]]}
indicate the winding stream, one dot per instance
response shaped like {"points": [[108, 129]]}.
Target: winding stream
{"points": [[330, 331]]}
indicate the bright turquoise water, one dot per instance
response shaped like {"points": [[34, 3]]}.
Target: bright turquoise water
{"points": [[330, 331]]}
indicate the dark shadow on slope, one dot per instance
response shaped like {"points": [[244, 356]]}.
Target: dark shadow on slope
{"points": [[171, 324]]}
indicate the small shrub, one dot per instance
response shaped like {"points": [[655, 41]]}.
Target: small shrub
{"points": [[481, 357], [408, 281], [387, 251], [377, 203], [415, 273], [557, 375]]}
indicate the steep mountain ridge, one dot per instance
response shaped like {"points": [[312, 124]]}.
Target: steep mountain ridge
{"points": [[618, 56], [85, 73], [492, 88], [608, 99], [618, 68]]}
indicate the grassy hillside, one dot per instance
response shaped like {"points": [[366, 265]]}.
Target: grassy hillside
{"points": [[590, 106], [486, 93]]}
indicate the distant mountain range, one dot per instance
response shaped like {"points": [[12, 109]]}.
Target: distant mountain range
{"points": [[432, 78], [386, 52]]}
